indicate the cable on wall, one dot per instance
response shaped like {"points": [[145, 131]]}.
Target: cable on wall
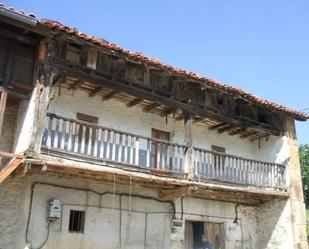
{"points": [[86, 190]]}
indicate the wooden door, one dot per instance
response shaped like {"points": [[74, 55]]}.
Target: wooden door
{"points": [[159, 150]]}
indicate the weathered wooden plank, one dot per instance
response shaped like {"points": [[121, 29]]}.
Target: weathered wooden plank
{"points": [[3, 100], [9, 168], [134, 102]]}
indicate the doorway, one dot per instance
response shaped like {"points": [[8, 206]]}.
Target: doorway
{"points": [[194, 231]]}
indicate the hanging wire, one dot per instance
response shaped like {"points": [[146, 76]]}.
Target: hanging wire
{"points": [[130, 197], [114, 191]]}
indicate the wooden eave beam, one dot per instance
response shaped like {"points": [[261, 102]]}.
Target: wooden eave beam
{"points": [[249, 134], [214, 127], [259, 137], [226, 128], [95, 91], [134, 102], [109, 95], [120, 84], [77, 84], [167, 112], [238, 131], [151, 107], [18, 36]]}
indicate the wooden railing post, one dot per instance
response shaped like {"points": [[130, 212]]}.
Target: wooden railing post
{"points": [[189, 164]]}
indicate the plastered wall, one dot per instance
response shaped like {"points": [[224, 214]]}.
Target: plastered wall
{"points": [[141, 223]]}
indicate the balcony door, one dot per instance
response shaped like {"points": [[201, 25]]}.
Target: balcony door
{"points": [[159, 158], [86, 134]]}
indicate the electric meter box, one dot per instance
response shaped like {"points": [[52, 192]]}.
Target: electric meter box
{"points": [[178, 230], [54, 209]]}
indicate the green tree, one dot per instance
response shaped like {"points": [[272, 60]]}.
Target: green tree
{"points": [[304, 163]]}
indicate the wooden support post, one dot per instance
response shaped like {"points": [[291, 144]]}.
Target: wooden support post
{"points": [[3, 99], [46, 80], [189, 164]]}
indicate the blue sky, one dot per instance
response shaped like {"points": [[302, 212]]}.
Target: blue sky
{"points": [[261, 46]]}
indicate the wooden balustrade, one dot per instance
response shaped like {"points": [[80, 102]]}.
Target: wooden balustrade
{"points": [[97, 142], [228, 168]]}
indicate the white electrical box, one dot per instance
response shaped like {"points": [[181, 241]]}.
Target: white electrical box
{"points": [[54, 209], [178, 230]]}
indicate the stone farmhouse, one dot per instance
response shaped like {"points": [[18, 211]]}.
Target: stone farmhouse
{"points": [[103, 148]]}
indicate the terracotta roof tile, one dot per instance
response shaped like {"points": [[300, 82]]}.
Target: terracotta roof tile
{"points": [[139, 57]]}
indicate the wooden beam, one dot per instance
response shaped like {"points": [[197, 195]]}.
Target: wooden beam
{"points": [[95, 91], [9, 168], [188, 166], [109, 95], [248, 198], [9, 154], [134, 102], [132, 88], [3, 100], [180, 117], [151, 107], [167, 112], [225, 128], [214, 127], [238, 131], [46, 79], [259, 137], [248, 134], [77, 84]]}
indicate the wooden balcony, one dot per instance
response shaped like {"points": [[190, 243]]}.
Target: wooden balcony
{"points": [[79, 140]]}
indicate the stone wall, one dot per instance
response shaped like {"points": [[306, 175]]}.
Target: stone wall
{"points": [[11, 204], [141, 223]]}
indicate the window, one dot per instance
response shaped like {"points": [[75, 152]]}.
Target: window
{"points": [[77, 221], [212, 232], [218, 157], [158, 150]]}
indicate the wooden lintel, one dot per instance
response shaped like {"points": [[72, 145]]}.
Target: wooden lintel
{"points": [[134, 102], [109, 95], [95, 91], [151, 107], [77, 84], [225, 128]]}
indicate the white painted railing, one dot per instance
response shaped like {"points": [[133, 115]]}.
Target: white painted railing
{"points": [[91, 141]]}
